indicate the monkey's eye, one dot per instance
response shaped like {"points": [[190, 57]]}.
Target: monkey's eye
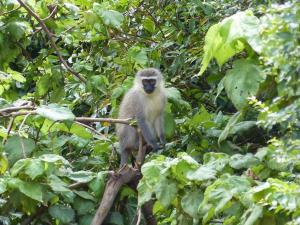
{"points": [[152, 82]]}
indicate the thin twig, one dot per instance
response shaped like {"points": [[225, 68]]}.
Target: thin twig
{"points": [[21, 139], [108, 120], [15, 114], [91, 128], [51, 14], [15, 108], [25, 118], [10, 125], [52, 41], [10, 11], [139, 216]]}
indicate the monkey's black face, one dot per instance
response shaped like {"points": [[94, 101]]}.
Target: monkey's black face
{"points": [[149, 85]]}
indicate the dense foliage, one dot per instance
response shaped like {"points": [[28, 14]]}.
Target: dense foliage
{"points": [[232, 118]]}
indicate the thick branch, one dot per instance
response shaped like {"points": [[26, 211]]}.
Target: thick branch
{"points": [[112, 188], [50, 36], [123, 176]]}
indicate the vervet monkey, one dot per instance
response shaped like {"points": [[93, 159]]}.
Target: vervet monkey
{"points": [[144, 102]]}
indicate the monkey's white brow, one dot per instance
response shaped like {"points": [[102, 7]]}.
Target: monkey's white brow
{"points": [[149, 78]]}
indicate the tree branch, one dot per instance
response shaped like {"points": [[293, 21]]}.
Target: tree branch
{"points": [[16, 108], [10, 11], [13, 112], [128, 121], [50, 36], [51, 14]]}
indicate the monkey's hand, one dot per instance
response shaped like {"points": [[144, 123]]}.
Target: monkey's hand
{"points": [[162, 140], [155, 146]]}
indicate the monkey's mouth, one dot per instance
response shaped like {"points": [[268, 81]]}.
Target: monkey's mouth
{"points": [[149, 91]]}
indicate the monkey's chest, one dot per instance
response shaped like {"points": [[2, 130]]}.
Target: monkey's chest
{"points": [[153, 108]]}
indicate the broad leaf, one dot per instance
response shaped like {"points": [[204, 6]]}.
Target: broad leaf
{"points": [[32, 190], [138, 55], [81, 176], [35, 168], [3, 164], [166, 192], [227, 38], [2, 185], [229, 126], [243, 82], [17, 148], [203, 173], [190, 202], [55, 112], [238, 161], [109, 17], [62, 213], [149, 25]]}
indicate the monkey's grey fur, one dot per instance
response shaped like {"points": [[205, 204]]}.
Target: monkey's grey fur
{"points": [[146, 109]]}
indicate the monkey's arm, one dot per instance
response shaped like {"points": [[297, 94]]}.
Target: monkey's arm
{"points": [[159, 129], [149, 138]]}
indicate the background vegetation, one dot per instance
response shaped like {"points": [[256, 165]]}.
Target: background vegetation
{"points": [[232, 119]]}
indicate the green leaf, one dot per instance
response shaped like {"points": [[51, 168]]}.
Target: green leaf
{"points": [[18, 29], [239, 161], [138, 55], [109, 17], [227, 38], [98, 82], [16, 76], [85, 195], [97, 185], [166, 192], [62, 213], [243, 126], [34, 168], [3, 164], [57, 184], [169, 124], [3, 185], [32, 190], [174, 95], [149, 25], [19, 166], [86, 219], [55, 112], [229, 126], [255, 212], [190, 202], [117, 92], [115, 218], [43, 85], [202, 173], [243, 82], [218, 196], [83, 206], [17, 148], [51, 158], [144, 192], [81, 176]]}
